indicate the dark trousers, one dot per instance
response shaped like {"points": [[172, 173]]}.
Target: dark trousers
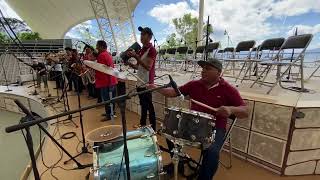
{"points": [[146, 105], [91, 90], [98, 95], [58, 79], [210, 161], [77, 82], [69, 77], [105, 96]]}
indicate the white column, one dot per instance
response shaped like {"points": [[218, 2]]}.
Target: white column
{"points": [[200, 22]]}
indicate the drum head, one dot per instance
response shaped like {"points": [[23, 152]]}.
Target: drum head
{"points": [[104, 134]]}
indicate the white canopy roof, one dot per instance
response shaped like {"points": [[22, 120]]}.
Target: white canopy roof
{"points": [[53, 18]]}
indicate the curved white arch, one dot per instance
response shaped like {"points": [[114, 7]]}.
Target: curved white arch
{"points": [[52, 19], [75, 24]]}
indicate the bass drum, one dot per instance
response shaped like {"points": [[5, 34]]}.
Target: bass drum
{"points": [[144, 155]]}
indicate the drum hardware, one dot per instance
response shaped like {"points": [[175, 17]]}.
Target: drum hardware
{"points": [[121, 98], [151, 176], [144, 150], [196, 120], [187, 126]]}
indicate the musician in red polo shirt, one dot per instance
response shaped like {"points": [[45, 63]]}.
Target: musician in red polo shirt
{"points": [[213, 91], [146, 59], [104, 82]]}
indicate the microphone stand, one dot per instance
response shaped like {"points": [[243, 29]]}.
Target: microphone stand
{"points": [[84, 148], [207, 41], [34, 82], [65, 99], [5, 76], [30, 142], [121, 98]]}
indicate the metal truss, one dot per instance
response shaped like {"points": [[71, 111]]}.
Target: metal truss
{"points": [[114, 20]]}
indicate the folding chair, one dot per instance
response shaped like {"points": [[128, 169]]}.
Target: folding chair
{"points": [[161, 58], [219, 54], [172, 53], [264, 52], [227, 139], [242, 54], [181, 56], [299, 42], [198, 55], [212, 48], [314, 72]]}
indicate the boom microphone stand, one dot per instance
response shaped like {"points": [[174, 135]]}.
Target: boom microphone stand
{"points": [[29, 141]]}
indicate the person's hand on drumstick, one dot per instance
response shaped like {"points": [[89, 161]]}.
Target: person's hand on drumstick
{"points": [[224, 111]]}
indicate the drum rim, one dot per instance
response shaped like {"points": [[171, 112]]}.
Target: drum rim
{"points": [[153, 136], [189, 111], [155, 143], [90, 132]]}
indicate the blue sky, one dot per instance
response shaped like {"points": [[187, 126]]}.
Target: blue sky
{"points": [[243, 19]]}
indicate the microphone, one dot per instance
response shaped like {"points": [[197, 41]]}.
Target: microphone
{"points": [[174, 86]]}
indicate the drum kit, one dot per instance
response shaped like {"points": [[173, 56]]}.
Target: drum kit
{"points": [[183, 127]]}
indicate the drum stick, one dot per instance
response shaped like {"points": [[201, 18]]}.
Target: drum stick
{"points": [[204, 105], [120, 138]]}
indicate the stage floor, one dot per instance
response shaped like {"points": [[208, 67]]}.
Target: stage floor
{"points": [[91, 118]]}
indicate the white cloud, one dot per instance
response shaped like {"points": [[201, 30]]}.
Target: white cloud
{"points": [[243, 19], [295, 7], [304, 29], [165, 13], [7, 11]]}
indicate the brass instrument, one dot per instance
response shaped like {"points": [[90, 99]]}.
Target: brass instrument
{"points": [[87, 75]]}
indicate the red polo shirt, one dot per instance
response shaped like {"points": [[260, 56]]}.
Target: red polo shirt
{"points": [[220, 94], [152, 54], [102, 79]]}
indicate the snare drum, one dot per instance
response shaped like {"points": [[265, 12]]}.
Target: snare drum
{"points": [[144, 155], [188, 127]]}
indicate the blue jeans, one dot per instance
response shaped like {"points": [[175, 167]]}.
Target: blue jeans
{"points": [[210, 161], [105, 96]]}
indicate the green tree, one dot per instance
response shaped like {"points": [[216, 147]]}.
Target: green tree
{"points": [[171, 41], [4, 38], [187, 29], [29, 36], [15, 24]]}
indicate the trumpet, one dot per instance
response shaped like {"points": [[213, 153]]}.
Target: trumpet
{"points": [[88, 77]]}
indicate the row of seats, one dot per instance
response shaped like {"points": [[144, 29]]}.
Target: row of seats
{"points": [[285, 54]]}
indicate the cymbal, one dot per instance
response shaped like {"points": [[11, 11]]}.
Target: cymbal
{"points": [[105, 69], [105, 133]]}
